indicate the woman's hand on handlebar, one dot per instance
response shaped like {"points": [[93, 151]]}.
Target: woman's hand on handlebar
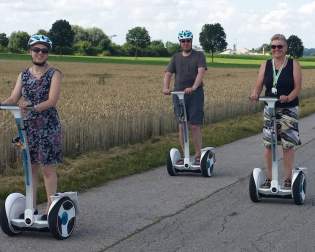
{"points": [[254, 97], [166, 91], [284, 98], [24, 106]]}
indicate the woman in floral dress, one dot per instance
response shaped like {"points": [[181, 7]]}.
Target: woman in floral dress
{"points": [[39, 85]]}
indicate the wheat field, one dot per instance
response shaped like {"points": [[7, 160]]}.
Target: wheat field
{"points": [[105, 105]]}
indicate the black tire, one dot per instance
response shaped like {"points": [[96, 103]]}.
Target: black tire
{"points": [[253, 193], [57, 222], [4, 223], [169, 165], [299, 189], [206, 170]]}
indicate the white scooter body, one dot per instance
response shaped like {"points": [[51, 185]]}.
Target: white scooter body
{"points": [[62, 212], [207, 158], [257, 178]]}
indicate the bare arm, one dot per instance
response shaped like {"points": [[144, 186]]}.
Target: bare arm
{"points": [[54, 93], [16, 93], [199, 78], [297, 76], [259, 83], [167, 83]]}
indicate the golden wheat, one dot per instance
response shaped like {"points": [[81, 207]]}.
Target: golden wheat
{"points": [[105, 105]]}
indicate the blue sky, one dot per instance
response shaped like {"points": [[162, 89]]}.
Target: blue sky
{"points": [[248, 24]]}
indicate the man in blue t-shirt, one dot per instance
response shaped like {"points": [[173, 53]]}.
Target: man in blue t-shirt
{"points": [[189, 67]]}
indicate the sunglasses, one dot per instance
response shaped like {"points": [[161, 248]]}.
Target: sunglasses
{"points": [[37, 50], [185, 40], [276, 46]]}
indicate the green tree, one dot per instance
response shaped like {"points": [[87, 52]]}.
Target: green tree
{"points": [[86, 48], [4, 41], [157, 48], [62, 37], [80, 34], [138, 38], [43, 32], [18, 41], [263, 48], [115, 49], [97, 37], [172, 47], [212, 38], [295, 46]]}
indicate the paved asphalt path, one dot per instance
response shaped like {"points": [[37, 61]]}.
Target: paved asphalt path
{"points": [[155, 212]]}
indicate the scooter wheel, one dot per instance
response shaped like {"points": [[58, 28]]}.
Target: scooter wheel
{"points": [[205, 164], [299, 189], [253, 192], [62, 218], [4, 223], [169, 165]]}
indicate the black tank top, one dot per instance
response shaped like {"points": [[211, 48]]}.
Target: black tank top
{"points": [[285, 83]]}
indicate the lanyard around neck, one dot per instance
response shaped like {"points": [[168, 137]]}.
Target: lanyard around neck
{"points": [[276, 75]]}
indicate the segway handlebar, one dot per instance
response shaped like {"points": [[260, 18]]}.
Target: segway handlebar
{"points": [[8, 106], [179, 94], [13, 107], [268, 99]]}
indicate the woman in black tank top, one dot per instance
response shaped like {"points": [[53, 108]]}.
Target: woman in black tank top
{"points": [[281, 77]]}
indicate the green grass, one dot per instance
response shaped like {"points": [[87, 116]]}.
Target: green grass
{"points": [[96, 168], [243, 61]]}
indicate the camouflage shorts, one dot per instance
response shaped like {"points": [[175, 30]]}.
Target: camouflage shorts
{"points": [[287, 127]]}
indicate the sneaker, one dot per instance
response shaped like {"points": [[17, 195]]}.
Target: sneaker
{"points": [[287, 183], [266, 184], [22, 214]]}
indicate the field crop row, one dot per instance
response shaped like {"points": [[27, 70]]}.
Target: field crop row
{"points": [[105, 105]]}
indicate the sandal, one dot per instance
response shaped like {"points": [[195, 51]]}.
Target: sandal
{"points": [[266, 184], [180, 161], [287, 183], [197, 160]]}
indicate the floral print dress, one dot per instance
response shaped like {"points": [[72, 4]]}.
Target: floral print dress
{"points": [[43, 129]]}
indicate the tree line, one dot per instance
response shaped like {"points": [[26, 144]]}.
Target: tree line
{"points": [[74, 39]]}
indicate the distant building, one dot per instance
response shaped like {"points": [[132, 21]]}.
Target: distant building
{"points": [[236, 51], [244, 51]]}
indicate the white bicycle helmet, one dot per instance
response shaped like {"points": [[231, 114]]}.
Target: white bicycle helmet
{"points": [[185, 35], [39, 39]]}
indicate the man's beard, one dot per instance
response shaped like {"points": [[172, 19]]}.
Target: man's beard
{"points": [[39, 64]]}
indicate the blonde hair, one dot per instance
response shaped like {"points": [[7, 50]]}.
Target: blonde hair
{"points": [[279, 37]]}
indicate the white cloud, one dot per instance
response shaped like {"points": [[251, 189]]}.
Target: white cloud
{"points": [[275, 20], [249, 25], [307, 9]]}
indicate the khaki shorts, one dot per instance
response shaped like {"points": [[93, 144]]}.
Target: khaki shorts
{"points": [[287, 125]]}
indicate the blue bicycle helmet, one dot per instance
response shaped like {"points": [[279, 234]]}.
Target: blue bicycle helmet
{"points": [[39, 39], [185, 35]]}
